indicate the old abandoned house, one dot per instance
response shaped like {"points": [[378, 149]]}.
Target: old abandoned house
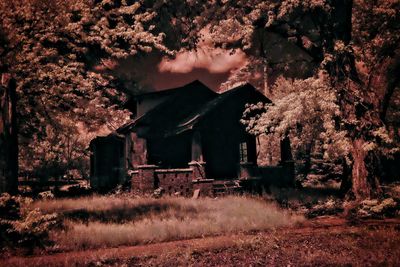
{"points": [[185, 139]]}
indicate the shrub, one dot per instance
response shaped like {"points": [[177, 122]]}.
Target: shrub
{"points": [[33, 229], [21, 227], [329, 207], [373, 208]]}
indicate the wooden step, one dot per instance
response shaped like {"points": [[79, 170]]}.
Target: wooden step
{"points": [[225, 187]]}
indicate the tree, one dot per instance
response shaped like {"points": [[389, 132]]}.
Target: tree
{"points": [[8, 136], [307, 111], [341, 39], [63, 55], [8, 126]]}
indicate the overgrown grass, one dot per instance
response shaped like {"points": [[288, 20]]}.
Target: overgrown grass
{"points": [[111, 221]]}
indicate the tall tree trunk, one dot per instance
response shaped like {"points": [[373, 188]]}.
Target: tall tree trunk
{"points": [[359, 179], [365, 183], [360, 186], [8, 136]]}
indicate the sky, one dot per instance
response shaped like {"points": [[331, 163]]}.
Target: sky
{"points": [[211, 66]]}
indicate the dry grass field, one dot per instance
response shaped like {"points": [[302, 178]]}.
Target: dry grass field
{"points": [[228, 231], [95, 222], [327, 241]]}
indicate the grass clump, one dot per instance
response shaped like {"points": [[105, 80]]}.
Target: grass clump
{"points": [[108, 222]]}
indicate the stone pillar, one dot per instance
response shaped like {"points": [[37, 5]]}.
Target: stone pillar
{"points": [[199, 169], [145, 180], [138, 153], [200, 181]]}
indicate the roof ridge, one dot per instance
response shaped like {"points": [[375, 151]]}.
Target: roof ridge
{"points": [[170, 89], [241, 86]]}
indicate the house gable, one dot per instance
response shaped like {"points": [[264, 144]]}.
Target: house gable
{"points": [[162, 118]]}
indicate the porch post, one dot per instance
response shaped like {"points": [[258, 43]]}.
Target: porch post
{"points": [[197, 164], [197, 150], [138, 150]]}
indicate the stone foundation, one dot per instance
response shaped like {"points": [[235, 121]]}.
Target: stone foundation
{"points": [[147, 178], [175, 181], [183, 182]]}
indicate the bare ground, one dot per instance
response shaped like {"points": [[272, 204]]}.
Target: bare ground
{"points": [[326, 241]]}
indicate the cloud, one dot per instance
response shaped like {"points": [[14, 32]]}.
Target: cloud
{"points": [[215, 60], [206, 56]]}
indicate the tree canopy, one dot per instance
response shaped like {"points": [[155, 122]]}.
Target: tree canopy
{"points": [[354, 43], [64, 55]]}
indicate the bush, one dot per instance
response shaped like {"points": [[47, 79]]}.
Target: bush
{"points": [[329, 207], [33, 229], [20, 227], [373, 208]]}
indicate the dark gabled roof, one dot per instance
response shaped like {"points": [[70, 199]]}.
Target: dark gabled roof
{"points": [[181, 102], [187, 108], [196, 117]]}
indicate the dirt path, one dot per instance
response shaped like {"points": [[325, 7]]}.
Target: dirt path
{"points": [[322, 227], [84, 257]]}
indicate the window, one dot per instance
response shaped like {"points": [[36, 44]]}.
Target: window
{"points": [[243, 152]]}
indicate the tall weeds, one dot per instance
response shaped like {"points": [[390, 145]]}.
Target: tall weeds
{"points": [[106, 222]]}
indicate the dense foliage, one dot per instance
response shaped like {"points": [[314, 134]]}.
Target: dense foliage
{"points": [[62, 54], [354, 44], [65, 55]]}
